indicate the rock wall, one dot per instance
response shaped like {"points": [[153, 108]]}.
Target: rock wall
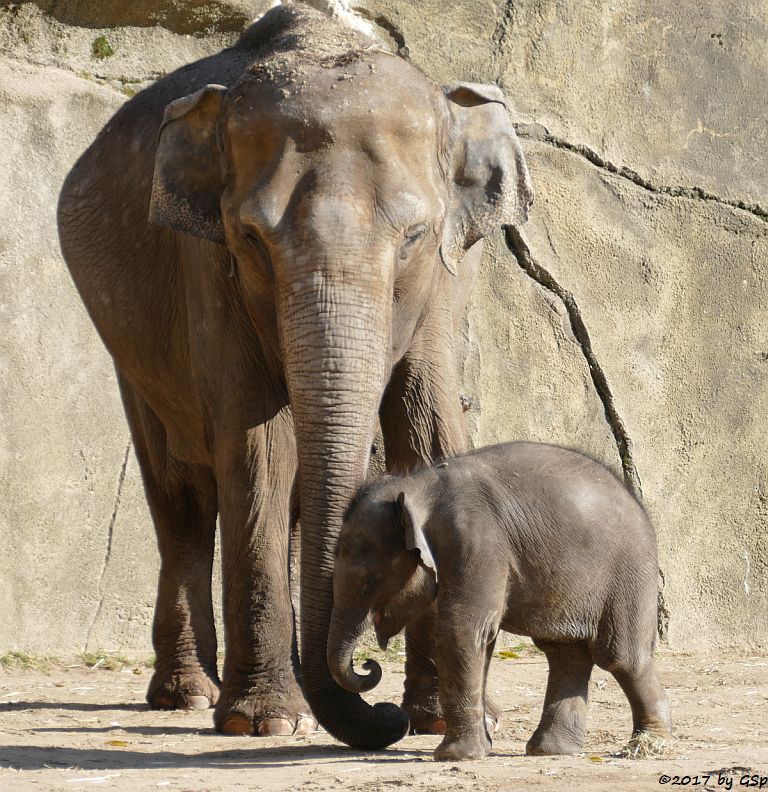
{"points": [[626, 319]]}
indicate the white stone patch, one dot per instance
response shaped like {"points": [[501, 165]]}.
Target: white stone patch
{"points": [[747, 588], [274, 5], [340, 9]]}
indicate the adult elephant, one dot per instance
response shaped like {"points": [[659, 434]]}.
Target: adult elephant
{"points": [[271, 244]]}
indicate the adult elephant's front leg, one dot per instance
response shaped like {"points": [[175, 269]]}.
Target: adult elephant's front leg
{"points": [[421, 420], [260, 693]]}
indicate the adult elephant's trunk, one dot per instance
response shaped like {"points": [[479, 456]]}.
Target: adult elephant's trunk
{"points": [[335, 338], [347, 626]]}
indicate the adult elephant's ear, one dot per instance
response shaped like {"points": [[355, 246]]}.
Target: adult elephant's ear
{"points": [[187, 186], [491, 184]]}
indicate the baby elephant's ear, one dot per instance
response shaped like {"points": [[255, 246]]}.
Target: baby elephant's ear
{"points": [[413, 520]]}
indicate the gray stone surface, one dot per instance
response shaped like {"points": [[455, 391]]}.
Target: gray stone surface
{"points": [[523, 370], [191, 17], [627, 320], [63, 438], [674, 90], [139, 55]]}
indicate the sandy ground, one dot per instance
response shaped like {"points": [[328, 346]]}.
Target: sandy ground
{"points": [[79, 729]]}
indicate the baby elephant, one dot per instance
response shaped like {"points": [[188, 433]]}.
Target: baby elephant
{"points": [[529, 538]]}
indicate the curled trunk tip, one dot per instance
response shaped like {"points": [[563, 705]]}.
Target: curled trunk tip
{"points": [[340, 664], [347, 627], [361, 683]]}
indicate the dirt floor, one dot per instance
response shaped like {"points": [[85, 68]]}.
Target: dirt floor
{"points": [[73, 728]]}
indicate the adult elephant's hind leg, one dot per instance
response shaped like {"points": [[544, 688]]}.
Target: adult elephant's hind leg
{"points": [[260, 691], [563, 721], [182, 501]]}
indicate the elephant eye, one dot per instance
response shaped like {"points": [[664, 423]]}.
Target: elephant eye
{"points": [[412, 235], [417, 232], [371, 582], [259, 247], [255, 241]]}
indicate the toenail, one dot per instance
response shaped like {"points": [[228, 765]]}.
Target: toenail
{"points": [[275, 727], [305, 725], [237, 725]]}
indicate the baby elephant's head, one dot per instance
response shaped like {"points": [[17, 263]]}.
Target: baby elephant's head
{"points": [[384, 572]]}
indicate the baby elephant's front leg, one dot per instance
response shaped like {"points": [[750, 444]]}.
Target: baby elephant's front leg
{"points": [[464, 647]]}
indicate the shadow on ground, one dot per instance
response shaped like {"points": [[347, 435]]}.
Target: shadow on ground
{"points": [[37, 758]]}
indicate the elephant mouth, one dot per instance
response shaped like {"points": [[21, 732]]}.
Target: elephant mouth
{"points": [[384, 629], [382, 640]]}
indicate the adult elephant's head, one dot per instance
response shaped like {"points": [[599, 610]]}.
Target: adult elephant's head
{"points": [[348, 187]]}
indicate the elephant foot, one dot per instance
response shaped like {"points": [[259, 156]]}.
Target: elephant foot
{"points": [[424, 719], [465, 748], [195, 690], [264, 712], [548, 743], [428, 719]]}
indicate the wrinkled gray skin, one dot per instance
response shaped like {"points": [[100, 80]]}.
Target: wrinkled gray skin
{"points": [[529, 538], [274, 245]]}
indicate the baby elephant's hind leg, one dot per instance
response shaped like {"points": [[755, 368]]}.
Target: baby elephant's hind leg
{"points": [[562, 725], [650, 709]]}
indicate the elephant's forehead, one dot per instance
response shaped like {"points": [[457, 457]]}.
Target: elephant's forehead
{"points": [[382, 97]]}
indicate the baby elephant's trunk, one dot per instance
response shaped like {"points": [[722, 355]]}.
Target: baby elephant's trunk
{"points": [[347, 626]]}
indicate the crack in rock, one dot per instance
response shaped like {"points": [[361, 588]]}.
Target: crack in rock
{"points": [[500, 33], [536, 272], [388, 26], [662, 611], [394, 31], [110, 535], [540, 133]]}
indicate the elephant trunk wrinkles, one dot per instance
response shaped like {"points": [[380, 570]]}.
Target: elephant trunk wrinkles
{"points": [[347, 627], [335, 338]]}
